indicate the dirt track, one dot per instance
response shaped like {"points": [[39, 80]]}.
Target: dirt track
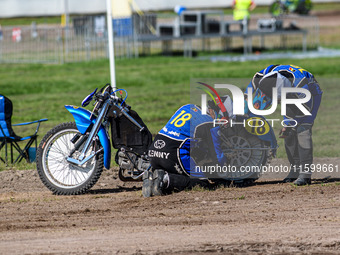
{"points": [[268, 217]]}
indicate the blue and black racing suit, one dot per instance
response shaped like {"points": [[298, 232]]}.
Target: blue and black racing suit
{"points": [[298, 143], [171, 149]]}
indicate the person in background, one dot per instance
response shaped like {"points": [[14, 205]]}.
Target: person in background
{"points": [[242, 9]]}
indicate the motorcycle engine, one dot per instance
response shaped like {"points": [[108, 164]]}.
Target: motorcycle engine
{"points": [[126, 160]]}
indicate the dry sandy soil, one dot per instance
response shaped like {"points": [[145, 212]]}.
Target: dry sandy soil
{"points": [[114, 218]]}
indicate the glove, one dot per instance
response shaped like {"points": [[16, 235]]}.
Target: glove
{"points": [[284, 133]]}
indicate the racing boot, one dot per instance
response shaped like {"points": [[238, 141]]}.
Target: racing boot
{"points": [[166, 183], [289, 179], [147, 183], [305, 148], [303, 179], [160, 182], [178, 182], [293, 175]]}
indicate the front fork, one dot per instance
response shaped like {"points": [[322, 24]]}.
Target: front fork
{"points": [[82, 159], [84, 119]]}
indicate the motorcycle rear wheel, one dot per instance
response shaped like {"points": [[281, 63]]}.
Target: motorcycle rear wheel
{"points": [[56, 173], [246, 154]]}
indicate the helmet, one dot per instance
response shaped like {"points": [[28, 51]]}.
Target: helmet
{"points": [[273, 80], [228, 105], [212, 105]]}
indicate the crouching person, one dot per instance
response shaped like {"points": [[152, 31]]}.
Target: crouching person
{"points": [[173, 167], [298, 130]]}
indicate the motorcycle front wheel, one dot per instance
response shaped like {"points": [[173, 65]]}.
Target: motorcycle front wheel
{"points": [[59, 175]]}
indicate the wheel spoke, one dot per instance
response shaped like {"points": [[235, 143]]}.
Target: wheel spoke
{"points": [[59, 170], [241, 151]]}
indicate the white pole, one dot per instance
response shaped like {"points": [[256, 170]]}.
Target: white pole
{"points": [[67, 20], [110, 41]]}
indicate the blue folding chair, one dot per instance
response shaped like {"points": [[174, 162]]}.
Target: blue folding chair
{"points": [[7, 135]]}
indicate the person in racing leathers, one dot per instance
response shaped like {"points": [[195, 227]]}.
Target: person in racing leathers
{"points": [[173, 166], [298, 130]]}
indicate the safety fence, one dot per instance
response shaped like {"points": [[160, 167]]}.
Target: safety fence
{"points": [[51, 44], [84, 41]]}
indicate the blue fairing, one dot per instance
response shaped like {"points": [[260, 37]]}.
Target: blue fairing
{"points": [[83, 121]]}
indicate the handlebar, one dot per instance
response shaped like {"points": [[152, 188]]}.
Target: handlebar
{"points": [[119, 102], [126, 95]]}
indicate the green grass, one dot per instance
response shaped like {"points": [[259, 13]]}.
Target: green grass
{"points": [[157, 87], [240, 198]]}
